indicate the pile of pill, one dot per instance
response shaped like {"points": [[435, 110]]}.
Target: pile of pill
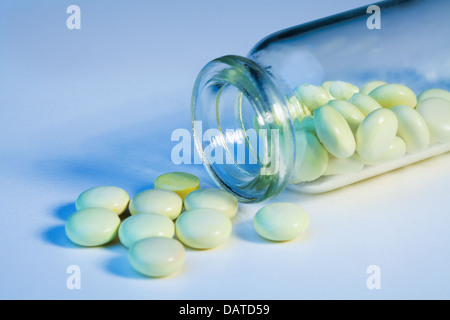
{"points": [[342, 128], [157, 217]]}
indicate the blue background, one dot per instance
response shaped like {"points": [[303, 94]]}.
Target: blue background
{"points": [[97, 106]]}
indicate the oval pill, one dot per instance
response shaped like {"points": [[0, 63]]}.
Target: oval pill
{"points": [[307, 124], [281, 221], [203, 228], [390, 95], [349, 165], [164, 202], [311, 96], [326, 86], [216, 199], [370, 86], [180, 182], [436, 112], [351, 114], [396, 150], [376, 133], [342, 90], [145, 225], [313, 157], [109, 197], [412, 128], [364, 103], [157, 256], [296, 110], [92, 227], [334, 132], [434, 93]]}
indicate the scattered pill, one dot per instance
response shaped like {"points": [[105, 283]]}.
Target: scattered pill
{"points": [[312, 157], [180, 182], [164, 202], [281, 221], [436, 112], [364, 103], [412, 128], [157, 256], [342, 90], [376, 133], [311, 96], [390, 95], [396, 150], [370, 86], [109, 197], [92, 227], [145, 225], [351, 114], [349, 165], [212, 199], [334, 132], [203, 228], [434, 93]]}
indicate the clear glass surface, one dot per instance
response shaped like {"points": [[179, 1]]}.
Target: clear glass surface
{"points": [[412, 48]]}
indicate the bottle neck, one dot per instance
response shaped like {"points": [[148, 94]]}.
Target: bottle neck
{"points": [[242, 128]]}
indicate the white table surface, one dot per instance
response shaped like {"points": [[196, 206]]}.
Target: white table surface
{"points": [[97, 106]]}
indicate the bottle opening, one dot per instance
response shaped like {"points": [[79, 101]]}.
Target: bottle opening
{"points": [[242, 129]]}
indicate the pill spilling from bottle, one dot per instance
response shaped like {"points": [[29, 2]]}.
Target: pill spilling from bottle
{"points": [[157, 230], [344, 130]]}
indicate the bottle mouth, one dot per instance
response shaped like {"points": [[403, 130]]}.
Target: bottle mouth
{"points": [[242, 129]]}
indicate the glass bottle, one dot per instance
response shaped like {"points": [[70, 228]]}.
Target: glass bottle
{"points": [[251, 127]]}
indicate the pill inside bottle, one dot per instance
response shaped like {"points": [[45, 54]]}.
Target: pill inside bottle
{"points": [[329, 103]]}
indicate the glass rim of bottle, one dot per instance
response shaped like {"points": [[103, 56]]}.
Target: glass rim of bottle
{"points": [[272, 112]]}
